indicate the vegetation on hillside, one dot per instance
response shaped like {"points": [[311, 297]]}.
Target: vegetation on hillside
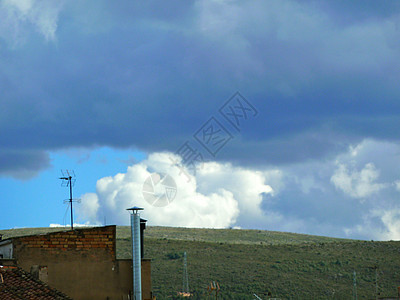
{"points": [[283, 265], [244, 262]]}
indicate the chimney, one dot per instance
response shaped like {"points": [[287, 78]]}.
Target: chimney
{"points": [[136, 256], [142, 228]]}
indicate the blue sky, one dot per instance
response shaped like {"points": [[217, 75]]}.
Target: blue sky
{"points": [[109, 88], [39, 201]]}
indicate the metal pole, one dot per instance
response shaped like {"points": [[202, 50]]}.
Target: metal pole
{"points": [[376, 283], [185, 286], [354, 285], [70, 201]]}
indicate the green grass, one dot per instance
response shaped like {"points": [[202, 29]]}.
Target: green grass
{"points": [[30, 231], [231, 236], [243, 262]]}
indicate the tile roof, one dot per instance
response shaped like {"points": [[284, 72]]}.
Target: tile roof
{"points": [[15, 283]]}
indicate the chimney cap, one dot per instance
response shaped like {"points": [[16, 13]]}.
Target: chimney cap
{"points": [[135, 208]]}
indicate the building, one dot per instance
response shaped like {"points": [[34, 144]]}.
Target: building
{"points": [[81, 263], [15, 283]]}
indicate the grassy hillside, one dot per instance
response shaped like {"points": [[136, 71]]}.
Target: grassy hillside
{"points": [[243, 262], [30, 231], [231, 236]]}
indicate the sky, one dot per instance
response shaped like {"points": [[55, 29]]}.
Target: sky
{"points": [[276, 115]]}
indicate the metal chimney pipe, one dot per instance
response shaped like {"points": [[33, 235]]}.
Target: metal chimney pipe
{"points": [[136, 257]]}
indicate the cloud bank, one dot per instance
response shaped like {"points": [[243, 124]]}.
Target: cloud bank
{"points": [[218, 196], [354, 195], [318, 158], [149, 75]]}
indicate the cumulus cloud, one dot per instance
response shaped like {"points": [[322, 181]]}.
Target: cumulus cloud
{"points": [[89, 208], [391, 221], [321, 75], [247, 186], [220, 195], [357, 184], [304, 198], [378, 224]]}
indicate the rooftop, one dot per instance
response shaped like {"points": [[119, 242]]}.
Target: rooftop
{"points": [[15, 283]]}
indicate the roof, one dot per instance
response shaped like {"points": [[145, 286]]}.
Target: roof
{"points": [[5, 242], [15, 283], [49, 231]]}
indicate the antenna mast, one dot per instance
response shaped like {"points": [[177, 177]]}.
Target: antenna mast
{"points": [[185, 285], [354, 285], [68, 177]]}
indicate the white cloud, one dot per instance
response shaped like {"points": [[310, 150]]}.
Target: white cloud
{"points": [[19, 16], [246, 185], [357, 184], [379, 224], [87, 224], [303, 198], [219, 195], [397, 185], [391, 220], [89, 207]]}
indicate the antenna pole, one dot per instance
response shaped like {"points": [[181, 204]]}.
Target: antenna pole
{"points": [[376, 282], [185, 285], [354, 285], [68, 179], [70, 201]]}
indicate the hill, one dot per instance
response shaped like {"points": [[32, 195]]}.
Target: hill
{"points": [[243, 262]]}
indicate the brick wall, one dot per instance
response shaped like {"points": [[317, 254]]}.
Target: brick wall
{"points": [[81, 263], [76, 240]]}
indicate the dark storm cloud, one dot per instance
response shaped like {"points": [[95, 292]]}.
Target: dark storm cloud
{"points": [[149, 75], [22, 164]]}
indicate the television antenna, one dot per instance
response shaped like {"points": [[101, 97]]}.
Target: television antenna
{"points": [[68, 180]]}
